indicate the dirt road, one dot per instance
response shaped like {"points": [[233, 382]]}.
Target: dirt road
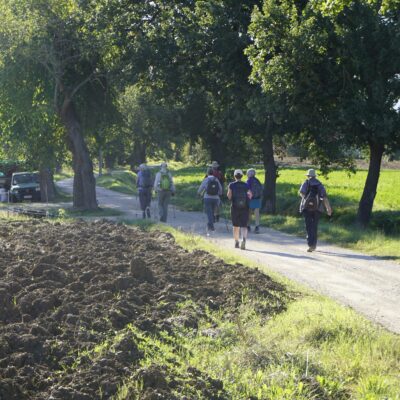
{"points": [[370, 286]]}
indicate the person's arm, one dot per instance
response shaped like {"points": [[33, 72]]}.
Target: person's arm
{"points": [[156, 181], [229, 193], [219, 188], [139, 175], [202, 187], [303, 189], [327, 205]]}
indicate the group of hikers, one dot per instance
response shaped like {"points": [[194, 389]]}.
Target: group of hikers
{"points": [[244, 197]]}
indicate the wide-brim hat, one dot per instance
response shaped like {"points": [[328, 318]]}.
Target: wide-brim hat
{"points": [[215, 164], [311, 172]]}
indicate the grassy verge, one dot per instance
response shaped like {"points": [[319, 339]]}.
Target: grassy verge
{"points": [[317, 349], [120, 181]]}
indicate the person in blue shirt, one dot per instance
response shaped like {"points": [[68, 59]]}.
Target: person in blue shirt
{"points": [[313, 201], [211, 190], [239, 195], [255, 203], [144, 184]]}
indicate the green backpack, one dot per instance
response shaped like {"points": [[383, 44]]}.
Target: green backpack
{"points": [[165, 182]]}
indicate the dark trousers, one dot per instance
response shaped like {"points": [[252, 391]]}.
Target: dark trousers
{"points": [[144, 198], [164, 197], [311, 219], [210, 206]]}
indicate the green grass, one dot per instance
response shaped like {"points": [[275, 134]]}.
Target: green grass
{"points": [[120, 181], [69, 213], [316, 349]]}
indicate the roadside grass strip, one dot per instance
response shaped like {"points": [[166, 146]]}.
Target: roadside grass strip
{"points": [[119, 181], [316, 349]]}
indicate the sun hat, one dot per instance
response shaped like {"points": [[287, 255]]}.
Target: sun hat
{"points": [[311, 172], [238, 172], [215, 164]]}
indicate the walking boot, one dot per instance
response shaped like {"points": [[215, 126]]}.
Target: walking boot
{"points": [[257, 229], [236, 244], [243, 244]]}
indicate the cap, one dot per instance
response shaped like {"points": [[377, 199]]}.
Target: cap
{"points": [[251, 172], [311, 173], [238, 172]]}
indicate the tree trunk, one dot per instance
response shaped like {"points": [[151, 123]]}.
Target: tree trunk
{"points": [[84, 189], [367, 199], [47, 187], [100, 162], [217, 150], [138, 155], [268, 203]]}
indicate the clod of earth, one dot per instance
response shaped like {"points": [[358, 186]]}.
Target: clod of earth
{"points": [[68, 291]]}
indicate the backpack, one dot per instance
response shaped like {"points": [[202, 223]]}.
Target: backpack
{"points": [[212, 188], [239, 195], [165, 181], [312, 200], [146, 179], [257, 189]]}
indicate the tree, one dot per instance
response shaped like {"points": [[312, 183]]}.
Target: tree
{"points": [[67, 44], [338, 75]]}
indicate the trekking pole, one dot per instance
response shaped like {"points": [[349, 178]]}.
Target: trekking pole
{"points": [[224, 212]]}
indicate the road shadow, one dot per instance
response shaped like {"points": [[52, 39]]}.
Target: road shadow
{"points": [[358, 256], [277, 253]]}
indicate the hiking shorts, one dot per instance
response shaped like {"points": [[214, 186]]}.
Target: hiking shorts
{"points": [[255, 203], [240, 216]]}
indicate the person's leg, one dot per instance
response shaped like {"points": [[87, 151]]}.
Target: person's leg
{"points": [[161, 204], [148, 202], [209, 210], [167, 197], [310, 228], [236, 235], [142, 201], [315, 229], [257, 220], [249, 223]]}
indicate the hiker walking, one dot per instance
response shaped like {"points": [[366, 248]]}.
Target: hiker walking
{"points": [[211, 190], [239, 195], [220, 176], [165, 188], [255, 203], [313, 201], [144, 184]]}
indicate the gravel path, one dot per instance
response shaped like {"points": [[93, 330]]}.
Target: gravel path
{"points": [[369, 285]]}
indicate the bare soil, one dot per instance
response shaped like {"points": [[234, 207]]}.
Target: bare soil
{"points": [[67, 288]]}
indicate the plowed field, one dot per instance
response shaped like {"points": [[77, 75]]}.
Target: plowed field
{"points": [[69, 290]]}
